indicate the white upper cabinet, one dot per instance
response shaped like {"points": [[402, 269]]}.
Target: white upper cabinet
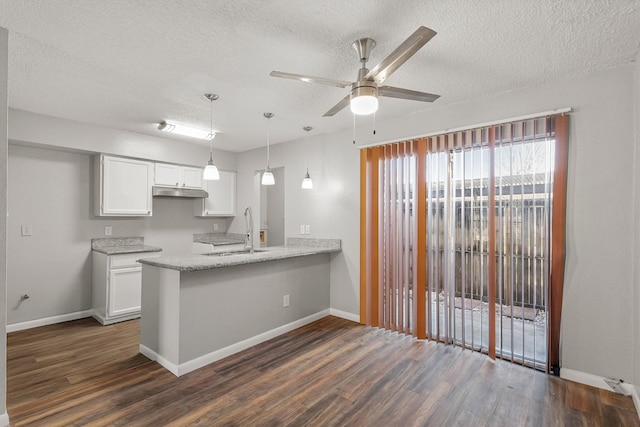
{"points": [[222, 197], [122, 186], [168, 175], [191, 177]]}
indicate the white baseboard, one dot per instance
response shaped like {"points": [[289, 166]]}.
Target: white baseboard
{"points": [[104, 321], [345, 315], [599, 382], [192, 365], [48, 321], [4, 420], [171, 367]]}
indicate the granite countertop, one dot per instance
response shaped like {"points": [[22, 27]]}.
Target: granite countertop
{"points": [[122, 245], [193, 262]]}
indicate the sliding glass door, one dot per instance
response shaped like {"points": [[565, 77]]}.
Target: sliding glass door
{"points": [[458, 239]]}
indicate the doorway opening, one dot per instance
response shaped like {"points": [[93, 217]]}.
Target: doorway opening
{"points": [[270, 218]]}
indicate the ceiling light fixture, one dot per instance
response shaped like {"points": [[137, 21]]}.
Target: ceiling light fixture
{"points": [[307, 184], [364, 100], [211, 170], [184, 130], [267, 177]]}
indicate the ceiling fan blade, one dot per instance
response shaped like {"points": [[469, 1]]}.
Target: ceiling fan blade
{"points": [[339, 106], [311, 79], [399, 56], [396, 92]]}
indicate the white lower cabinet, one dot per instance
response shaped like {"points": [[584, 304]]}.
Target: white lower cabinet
{"points": [[125, 287], [117, 284]]}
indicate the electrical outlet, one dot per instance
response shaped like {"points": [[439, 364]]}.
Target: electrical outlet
{"points": [[215, 227], [307, 229], [108, 230], [302, 229], [26, 230], [285, 301]]}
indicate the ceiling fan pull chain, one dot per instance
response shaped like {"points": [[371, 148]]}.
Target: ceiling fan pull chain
{"points": [[354, 128], [374, 122]]}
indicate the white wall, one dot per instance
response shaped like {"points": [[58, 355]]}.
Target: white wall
{"points": [[599, 285], [50, 190], [4, 49]]}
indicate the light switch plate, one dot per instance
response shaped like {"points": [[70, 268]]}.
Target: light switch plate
{"points": [[108, 230], [302, 229], [307, 229], [26, 230], [215, 227]]}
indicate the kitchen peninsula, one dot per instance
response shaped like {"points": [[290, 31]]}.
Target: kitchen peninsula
{"points": [[200, 308]]}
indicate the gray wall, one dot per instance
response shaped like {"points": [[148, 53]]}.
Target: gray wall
{"points": [[50, 190], [597, 337], [4, 49]]}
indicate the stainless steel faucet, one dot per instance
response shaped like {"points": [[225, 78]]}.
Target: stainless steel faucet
{"points": [[248, 219]]}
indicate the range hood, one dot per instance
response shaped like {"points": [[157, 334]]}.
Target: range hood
{"points": [[192, 193]]}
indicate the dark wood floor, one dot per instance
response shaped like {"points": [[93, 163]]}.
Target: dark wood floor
{"points": [[332, 372]]}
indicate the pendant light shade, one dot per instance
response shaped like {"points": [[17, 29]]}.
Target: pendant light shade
{"points": [[267, 177], [211, 170], [307, 184]]}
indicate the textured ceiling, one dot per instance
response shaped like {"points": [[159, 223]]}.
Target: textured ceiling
{"points": [[130, 64]]}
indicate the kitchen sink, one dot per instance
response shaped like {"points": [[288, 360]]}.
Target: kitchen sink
{"points": [[235, 252]]}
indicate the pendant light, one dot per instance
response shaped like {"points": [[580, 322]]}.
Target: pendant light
{"points": [[211, 171], [307, 184], [267, 177]]}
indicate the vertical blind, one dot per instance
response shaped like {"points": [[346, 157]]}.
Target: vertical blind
{"points": [[462, 238]]}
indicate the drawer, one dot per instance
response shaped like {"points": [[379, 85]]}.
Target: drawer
{"points": [[125, 260]]}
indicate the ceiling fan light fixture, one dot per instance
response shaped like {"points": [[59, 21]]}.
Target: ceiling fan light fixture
{"points": [[185, 130], [364, 100]]}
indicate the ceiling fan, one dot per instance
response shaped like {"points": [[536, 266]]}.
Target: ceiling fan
{"points": [[363, 97]]}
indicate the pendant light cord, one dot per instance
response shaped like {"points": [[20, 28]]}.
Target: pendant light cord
{"points": [[268, 137], [211, 132]]}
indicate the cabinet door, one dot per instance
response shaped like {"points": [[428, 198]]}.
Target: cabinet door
{"points": [[222, 196], [126, 186], [191, 177], [167, 175], [125, 287]]}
